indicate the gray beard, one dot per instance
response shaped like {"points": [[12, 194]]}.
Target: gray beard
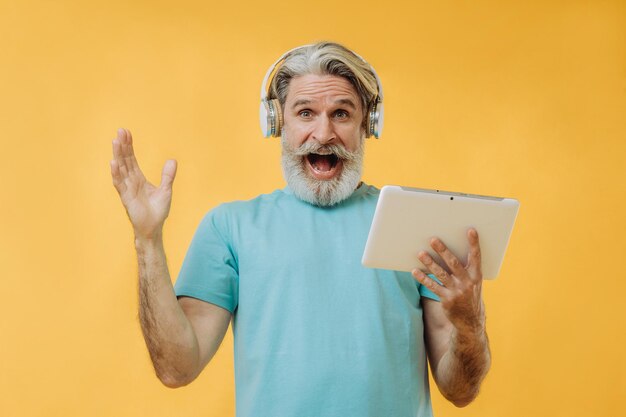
{"points": [[324, 193]]}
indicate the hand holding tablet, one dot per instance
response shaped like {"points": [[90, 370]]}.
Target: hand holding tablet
{"points": [[407, 219], [459, 284]]}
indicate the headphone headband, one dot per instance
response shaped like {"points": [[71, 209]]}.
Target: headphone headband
{"points": [[264, 91]]}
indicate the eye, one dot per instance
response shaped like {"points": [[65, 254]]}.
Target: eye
{"points": [[341, 114], [306, 114]]}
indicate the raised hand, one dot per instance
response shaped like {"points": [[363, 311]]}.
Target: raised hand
{"points": [[461, 285], [147, 205]]}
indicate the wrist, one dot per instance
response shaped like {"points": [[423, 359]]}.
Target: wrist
{"points": [[143, 241], [471, 326], [471, 322], [470, 334]]}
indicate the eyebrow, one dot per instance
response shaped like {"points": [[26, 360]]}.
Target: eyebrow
{"points": [[346, 102], [301, 102], [341, 101]]}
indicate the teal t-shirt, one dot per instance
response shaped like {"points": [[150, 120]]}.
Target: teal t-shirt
{"points": [[316, 334]]}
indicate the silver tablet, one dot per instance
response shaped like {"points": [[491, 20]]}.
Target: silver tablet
{"points": [[407, 218]]}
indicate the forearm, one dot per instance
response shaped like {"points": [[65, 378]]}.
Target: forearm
{"points": [[464, 365], [168, 333]]}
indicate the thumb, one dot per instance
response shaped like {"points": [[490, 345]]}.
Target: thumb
{"points": [[168, 174]]}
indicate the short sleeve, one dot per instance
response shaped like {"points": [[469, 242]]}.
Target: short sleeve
{"points": [[425, 292], [210, 271]]}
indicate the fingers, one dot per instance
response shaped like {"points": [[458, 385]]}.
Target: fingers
{"points": [[124, 154], [457, 270], [429, 283], [125, 169], [128, 153], [474, 259], [456, 267], [118, 181], [119, 152], [120, 162], [434, 267], [168, 174]]}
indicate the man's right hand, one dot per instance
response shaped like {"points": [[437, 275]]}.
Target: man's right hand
{"points": [[181, 337], [147, 206]]}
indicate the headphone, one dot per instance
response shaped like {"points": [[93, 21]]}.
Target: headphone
{"points": [[271, 115]]}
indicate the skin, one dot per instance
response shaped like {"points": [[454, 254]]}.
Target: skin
{"points": [[326, 109], [182, 335], [454, 328]]}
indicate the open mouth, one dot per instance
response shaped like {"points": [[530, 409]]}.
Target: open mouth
{"points": [[324, 167]]}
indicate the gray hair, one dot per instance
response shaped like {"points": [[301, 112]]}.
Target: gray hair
{"points": [[325, 58]]}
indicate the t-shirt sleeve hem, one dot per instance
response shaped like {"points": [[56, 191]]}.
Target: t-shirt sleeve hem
{"points": [[425, 292], [200, 294], [429, 294]]}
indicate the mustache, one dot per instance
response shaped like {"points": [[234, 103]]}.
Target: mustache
{"points": [[315, 147]]}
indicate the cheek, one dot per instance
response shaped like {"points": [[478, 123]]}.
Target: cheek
{"points": [[351, 138], [296, 135]]}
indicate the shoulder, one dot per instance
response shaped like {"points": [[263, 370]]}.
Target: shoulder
{"points": [[364, 196], [237, 209]]}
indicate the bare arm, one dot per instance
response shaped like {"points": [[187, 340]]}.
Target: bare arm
{"points": [[181, 335], [455, 333]]}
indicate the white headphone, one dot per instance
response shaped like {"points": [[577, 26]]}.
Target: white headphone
{"points": [[271, 116]]}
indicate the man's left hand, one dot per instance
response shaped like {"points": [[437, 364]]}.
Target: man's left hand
{"points": [[460, 285]]}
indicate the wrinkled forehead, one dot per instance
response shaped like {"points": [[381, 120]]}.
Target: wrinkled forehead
{"points": [[322, 88]]}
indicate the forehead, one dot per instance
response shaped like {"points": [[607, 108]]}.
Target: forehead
{"points": [[321, 87]]}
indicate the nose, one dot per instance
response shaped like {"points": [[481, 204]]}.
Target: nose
{"points": [[323, 131]]}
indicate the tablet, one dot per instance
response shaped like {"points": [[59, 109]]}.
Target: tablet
{"points": [[407, 218]]}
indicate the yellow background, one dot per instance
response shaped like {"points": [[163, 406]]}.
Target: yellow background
{"points": [[520, 99]]}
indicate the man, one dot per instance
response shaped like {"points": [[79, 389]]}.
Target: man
{"points": [[316, 333]]}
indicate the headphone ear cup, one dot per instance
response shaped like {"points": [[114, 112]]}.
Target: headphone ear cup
{"points": [[278, 118], [265, 118], [271, 118], [374, 125], [380, 113], [368, 122]]}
